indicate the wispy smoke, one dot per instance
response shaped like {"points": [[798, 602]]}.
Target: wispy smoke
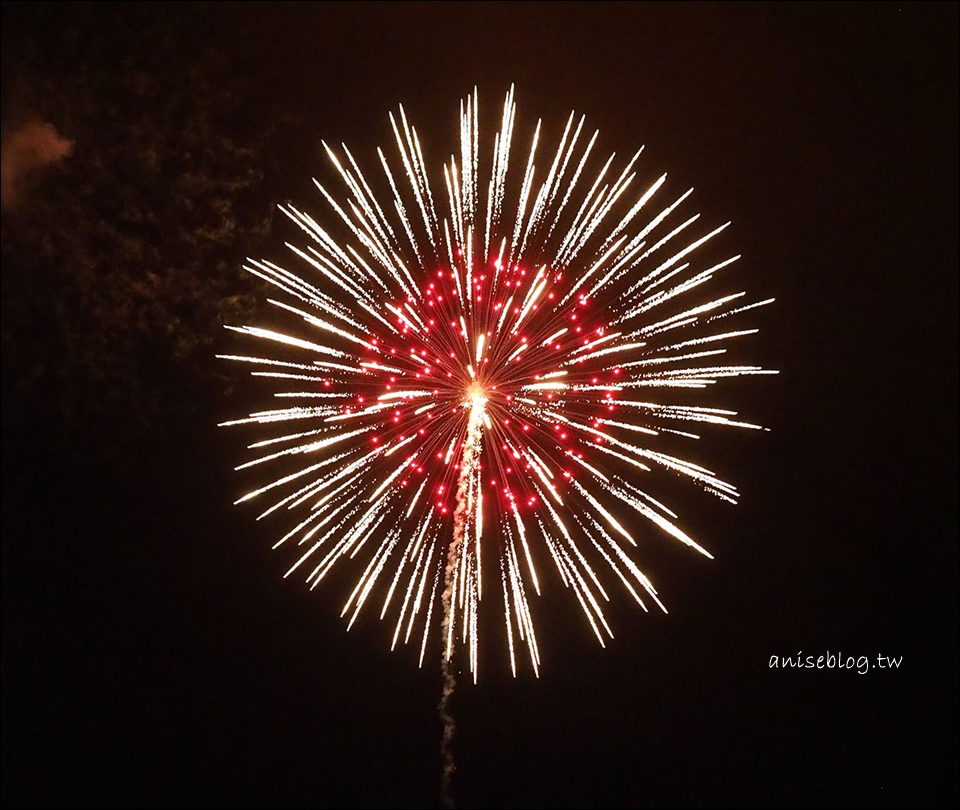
{"points": [[449, 727], [27, 149]]}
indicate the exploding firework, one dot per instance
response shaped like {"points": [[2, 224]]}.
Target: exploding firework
{"points": [[480, 387]]}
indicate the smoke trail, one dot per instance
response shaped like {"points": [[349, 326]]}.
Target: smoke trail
{"points": [[446, 743], [461, 518]]}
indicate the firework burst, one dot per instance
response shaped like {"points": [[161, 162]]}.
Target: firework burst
{"points": [[480, 387]]}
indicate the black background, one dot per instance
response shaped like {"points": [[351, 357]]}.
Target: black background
{"points": [[153, 656]]}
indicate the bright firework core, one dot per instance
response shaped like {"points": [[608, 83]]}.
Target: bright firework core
{"points": [[477, 396], [464, 409], [504, 352]]}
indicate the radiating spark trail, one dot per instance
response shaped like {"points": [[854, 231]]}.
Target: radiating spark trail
{"points": [[464, 375]]}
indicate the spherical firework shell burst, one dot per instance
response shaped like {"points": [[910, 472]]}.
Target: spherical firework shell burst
{"points": [[466, 411]]}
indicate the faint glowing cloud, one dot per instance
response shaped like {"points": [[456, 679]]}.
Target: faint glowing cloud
{"points": [[29, 148]]}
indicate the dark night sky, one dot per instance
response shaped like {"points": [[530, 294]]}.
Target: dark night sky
{"points": [[153, 656]]}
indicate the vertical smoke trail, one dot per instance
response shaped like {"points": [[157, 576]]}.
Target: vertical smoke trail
{"points": [[461, 518], [446, 742]]}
